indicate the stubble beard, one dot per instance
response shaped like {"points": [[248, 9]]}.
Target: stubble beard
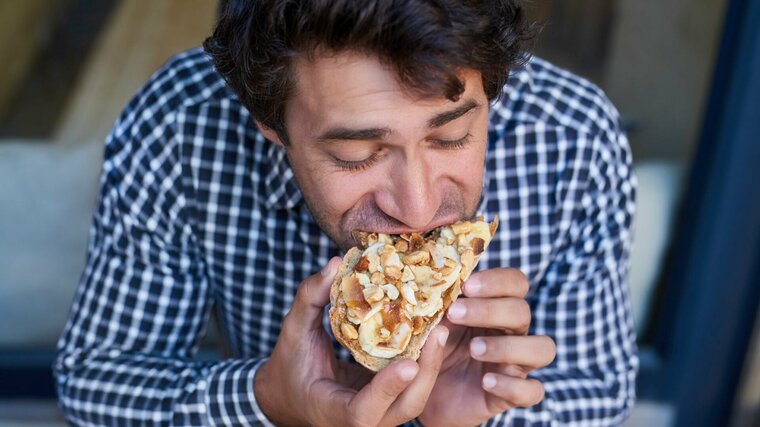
{"points": [[366, 216]]}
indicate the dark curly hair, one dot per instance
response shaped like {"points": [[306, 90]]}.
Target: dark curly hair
{"points": [[426, 42]]}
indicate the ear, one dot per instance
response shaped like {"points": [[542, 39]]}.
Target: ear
{"points": [[269, 133]]}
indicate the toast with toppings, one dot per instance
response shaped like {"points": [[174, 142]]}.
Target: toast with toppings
{"points": [[391, 291]]}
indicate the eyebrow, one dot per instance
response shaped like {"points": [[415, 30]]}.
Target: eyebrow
{"points": [[348, 134], [448, 116]]}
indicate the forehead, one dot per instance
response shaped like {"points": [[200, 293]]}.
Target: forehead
{"points": [[354, 87]]}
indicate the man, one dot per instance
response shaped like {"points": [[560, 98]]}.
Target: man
{"points": [[238, 172]]}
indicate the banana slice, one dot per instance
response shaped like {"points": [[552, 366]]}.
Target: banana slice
{"points": [[378, 341]]}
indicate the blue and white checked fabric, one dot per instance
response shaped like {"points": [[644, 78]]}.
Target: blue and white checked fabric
{"points": [[197, 211]]}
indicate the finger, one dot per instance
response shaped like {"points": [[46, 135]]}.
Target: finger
{"points": [[369, 406], [312, 296], [457, 333], [512, 391], [509, 314], [496, 282], [529, 351], [412, 401], [506, 369]]}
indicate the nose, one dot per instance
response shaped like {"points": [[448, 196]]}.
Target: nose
{"points": [[411, 197]]}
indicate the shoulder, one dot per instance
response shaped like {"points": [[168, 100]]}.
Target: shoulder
{"points": [[180, 100], [186, 80], [149, 135], [545, 95]]}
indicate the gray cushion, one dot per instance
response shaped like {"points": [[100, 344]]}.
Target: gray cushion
{"points": [[47, 194]]}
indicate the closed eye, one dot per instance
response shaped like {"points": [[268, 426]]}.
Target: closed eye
{"points": [[360, 165], [453, 144], [356, 165]]}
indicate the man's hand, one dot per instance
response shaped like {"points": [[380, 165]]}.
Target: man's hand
{"points": [[489, 354], [302, 382]]}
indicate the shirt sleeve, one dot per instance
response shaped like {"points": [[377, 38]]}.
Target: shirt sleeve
{"points": [[582, 301], [126, 354]]}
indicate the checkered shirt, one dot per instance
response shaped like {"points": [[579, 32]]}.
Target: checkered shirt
{"points": [[198, 212]]}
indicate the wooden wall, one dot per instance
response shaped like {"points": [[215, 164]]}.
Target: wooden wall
{"points": [[140, 37]]}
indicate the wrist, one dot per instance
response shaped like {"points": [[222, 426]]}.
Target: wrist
{"points": [[272, 399]]}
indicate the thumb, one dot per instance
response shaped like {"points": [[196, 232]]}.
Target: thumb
{"points": [[313, 295]]}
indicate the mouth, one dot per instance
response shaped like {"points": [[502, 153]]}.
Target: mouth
{"points": [[450, 219]]}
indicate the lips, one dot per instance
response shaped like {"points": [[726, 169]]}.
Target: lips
{"points": [[449, 219]]}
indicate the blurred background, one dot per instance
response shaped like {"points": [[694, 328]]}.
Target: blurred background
{"points": [[685, 75]]}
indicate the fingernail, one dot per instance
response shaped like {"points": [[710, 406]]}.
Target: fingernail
{"points": [[442, 336], [473, 286], [408, 373], [457, 310], [489, 381], [478, 347]]}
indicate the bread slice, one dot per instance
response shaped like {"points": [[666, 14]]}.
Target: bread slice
{"points": [[391, 292]]}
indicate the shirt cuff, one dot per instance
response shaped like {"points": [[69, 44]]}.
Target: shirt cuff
{"points": [[230, 396]]}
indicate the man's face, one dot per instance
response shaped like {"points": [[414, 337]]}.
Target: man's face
{"points": [[369, 155]]}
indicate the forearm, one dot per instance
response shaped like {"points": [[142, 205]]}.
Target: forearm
{"points": [[108, 387]]}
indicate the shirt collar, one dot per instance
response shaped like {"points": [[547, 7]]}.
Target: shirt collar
{"points": [[280, 184]]}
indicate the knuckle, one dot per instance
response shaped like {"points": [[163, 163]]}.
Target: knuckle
{"points": [[485, 312], [286, 327], [550, 348], [357, 420], [389, 393], [513, 371], [538, 392], [521, 280], [505, 346], [524, 314], [304, 291], [511, 392], [412, 411], [498, 404], [390, 388], [289, 324]]}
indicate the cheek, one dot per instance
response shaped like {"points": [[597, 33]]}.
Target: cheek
{"points": [[465, 168], [331, 192], [337, 193], [341, 194]]}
